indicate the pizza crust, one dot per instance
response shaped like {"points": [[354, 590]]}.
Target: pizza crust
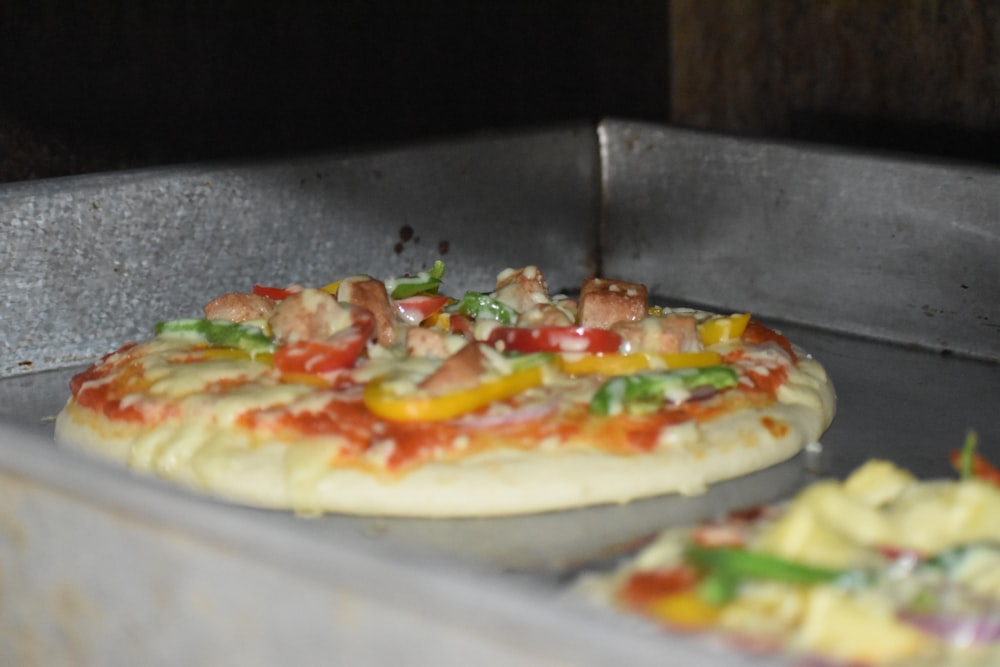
{"points": [[224, 462]]}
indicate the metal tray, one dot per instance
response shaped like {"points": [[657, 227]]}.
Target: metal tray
{"points": [[881, 267]]}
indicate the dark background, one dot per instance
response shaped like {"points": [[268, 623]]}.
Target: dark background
{"points": [[110, 84]]}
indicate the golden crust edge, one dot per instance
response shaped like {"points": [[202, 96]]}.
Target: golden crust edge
{"points": [[484, 486]]}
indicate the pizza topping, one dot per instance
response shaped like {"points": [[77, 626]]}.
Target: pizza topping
{"points": [[669, 595], [779, 575], [522, 289], [424, 342], [416, 309], [604, 302], [273, 293], [559, 313], [425, 282], [723, 568], [423, 406], [554, 339], [961, 629], [221, 333], [757, 333], [626, 364], [397, 368], [505, 414], [970, 465], [646, 392], [318, 333], [478, 306], [311, 314], [461, 370], [371, 295], [312, 357], [667, 334], [240, 307], [721, 329]]}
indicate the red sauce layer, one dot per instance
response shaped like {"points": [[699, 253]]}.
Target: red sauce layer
{"points": [[106, 387]]}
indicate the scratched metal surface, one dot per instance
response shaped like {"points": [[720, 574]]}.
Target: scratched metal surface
{"points": [[873, 245], [87, 263], [542, 197], [101, 570], [906, 404]]}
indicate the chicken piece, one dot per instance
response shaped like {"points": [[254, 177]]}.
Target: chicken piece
{"points": [[311, 314], [546, 315], [604, 302], [522, 289], [423, 342], [239, 308], [461, 370], [371, 294], [662, 335]]}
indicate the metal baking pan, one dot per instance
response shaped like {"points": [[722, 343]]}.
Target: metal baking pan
{"points": [[883, 267]]}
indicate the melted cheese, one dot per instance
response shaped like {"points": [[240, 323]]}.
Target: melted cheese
{"points": [[833, 524], [237, 428]]}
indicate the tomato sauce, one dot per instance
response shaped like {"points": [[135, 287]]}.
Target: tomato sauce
{"points": [[767, 383], [645, 588], [102, 368], [757, 333], [348, 418], [95, 390], [418, 441], [643, 433], [776, 428], [412, 441]]}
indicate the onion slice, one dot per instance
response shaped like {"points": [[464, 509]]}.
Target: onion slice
{"points": [[518, 415], [958, 629]]}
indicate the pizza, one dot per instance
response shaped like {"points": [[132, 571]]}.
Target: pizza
{"points": [[400, 397], [878, 569]]}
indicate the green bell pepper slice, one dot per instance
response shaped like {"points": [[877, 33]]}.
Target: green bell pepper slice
{"points": [[478, 305], [646, 392], [425, 282], [218, 333]]}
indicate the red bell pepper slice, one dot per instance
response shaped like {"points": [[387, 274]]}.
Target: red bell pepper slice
{"points": [[312, 357], [416, 309], [276, 293], [981, 468], [555, 339], [645, 587], [461, 324]]}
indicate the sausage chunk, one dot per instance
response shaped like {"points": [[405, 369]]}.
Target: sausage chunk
{"points": [[663, 335], [604, 302], [239, 308], [547, 315], [371, 294], [522, 289], [423, 342], [311, 314], [461, 370]]}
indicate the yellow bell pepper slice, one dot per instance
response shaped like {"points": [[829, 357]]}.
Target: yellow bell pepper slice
{"points": [[332, 288], [440, 321], [305, 378], [685, 610], [722, 329], [626, 364], [417, 407]]}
